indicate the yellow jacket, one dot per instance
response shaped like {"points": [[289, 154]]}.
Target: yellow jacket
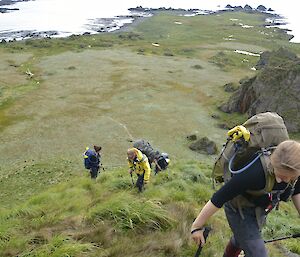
{"points": [[140, 165]]}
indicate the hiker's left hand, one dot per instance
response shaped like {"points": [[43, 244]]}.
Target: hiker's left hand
{"points": [[237, 132]]}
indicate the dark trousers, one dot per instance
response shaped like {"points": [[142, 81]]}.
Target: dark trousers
{"points": [[140, 182], [94, 172], [232, 249], [246, 233]]}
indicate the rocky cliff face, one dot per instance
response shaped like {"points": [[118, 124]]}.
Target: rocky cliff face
{"points": [[276, 88]]}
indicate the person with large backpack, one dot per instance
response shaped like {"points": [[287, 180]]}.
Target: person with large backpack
{"points": [[260, 167], [138, 163], [161, 160], [92, 160]]}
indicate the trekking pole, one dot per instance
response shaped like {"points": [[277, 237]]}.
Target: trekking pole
{"points": [[205, 234], [131, 178], [102, 167], [282, 238]]}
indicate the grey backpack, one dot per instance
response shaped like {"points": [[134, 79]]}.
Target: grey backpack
{"points": [[146, 148], [267, 130]]}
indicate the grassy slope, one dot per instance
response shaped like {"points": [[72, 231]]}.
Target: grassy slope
{"points": [[104, 89], [109, 218]]}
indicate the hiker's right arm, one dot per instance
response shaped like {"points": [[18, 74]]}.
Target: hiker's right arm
{"points": [[208, 210], [130, 165]]}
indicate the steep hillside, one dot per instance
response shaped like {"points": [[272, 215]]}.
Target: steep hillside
{"points": [[109, 218], [162, 80]]}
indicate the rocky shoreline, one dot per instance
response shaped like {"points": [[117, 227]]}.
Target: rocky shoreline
{"points": [[122, 23], [9, 2]]}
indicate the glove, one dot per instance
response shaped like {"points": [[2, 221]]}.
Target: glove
{"points": [[239, 132]]}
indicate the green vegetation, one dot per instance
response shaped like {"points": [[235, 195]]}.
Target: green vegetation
{"points": [[161, 81], [109, 217]]}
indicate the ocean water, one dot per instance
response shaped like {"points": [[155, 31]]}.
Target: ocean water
{"points": [[78, 16]]}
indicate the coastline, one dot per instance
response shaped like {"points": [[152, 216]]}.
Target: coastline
{"points": [[128, 26], [9, 2], [136, 16]]}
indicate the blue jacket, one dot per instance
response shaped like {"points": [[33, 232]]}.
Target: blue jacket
{"points": [[91, 159]]}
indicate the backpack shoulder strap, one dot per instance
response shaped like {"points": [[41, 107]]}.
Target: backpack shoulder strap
{"points": [[268, 170], [140, 156]]}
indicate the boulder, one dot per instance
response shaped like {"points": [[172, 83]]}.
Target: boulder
{"points": [[230, 87], [238, 8], [248, 8], [261, 8], [204, 146], [191, 137]]}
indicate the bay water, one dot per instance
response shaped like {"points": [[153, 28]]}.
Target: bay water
{"points": [[78, 16]]}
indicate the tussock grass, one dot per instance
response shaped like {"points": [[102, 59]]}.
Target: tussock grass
{"points": [[59, 246], [280, 224], [84, 217], [127, 212]]}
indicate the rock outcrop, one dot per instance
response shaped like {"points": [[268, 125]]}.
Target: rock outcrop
{"points": [[204, 146], [248, 8], [275, 88], [261, 8]]}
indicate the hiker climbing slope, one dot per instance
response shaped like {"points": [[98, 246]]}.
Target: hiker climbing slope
{"points": [[245, 222], [161, 160], [92, 160], [138, 163], [252, 191]]}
